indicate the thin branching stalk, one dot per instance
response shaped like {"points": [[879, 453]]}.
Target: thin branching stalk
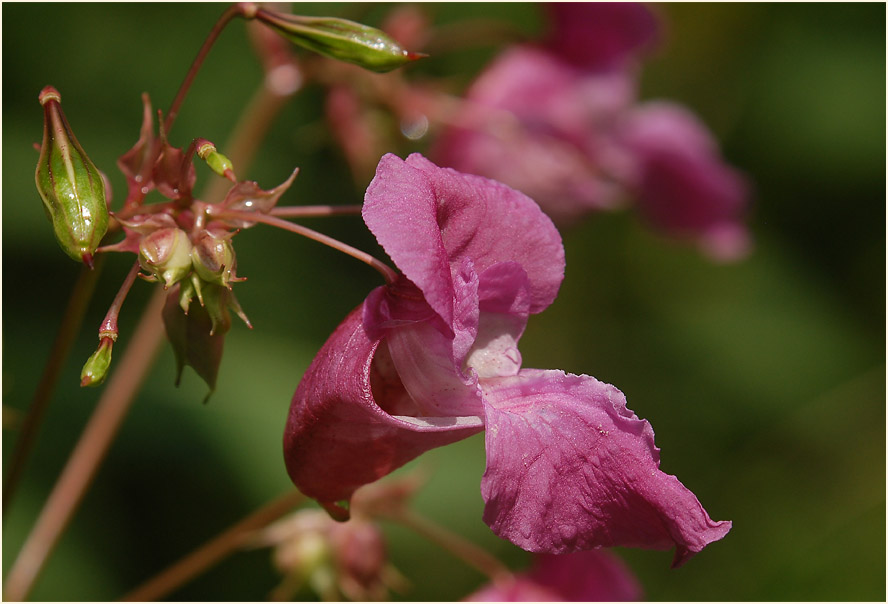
{"points": [[314, 211], [385, 270], [89, 451], [214, 551], [72, 319], [465, 550]]}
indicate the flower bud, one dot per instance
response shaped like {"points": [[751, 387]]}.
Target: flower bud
{"points": [[340, 39], [96, 367], [217, 162], [213, 259], [70, 185], [166, 254]]}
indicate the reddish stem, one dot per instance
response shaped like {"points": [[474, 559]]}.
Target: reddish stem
{"points": [[89, 451], [313, 211], [385, 270], [232, 12], [108, 328]]}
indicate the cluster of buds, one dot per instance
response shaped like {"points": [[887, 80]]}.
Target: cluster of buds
{"points": [[184, 243], [337, 559]]}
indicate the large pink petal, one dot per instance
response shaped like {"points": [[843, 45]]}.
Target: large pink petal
{"points": [[400, 210], [338, 438], [570, 468], [488, 223]]}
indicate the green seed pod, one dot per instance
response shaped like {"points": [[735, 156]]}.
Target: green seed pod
{"points": [[71, 186], [96, 367], [340, 39], [213, 259], [166, 254]]}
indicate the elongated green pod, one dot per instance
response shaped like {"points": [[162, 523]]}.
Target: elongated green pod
{"points": [[340, 39], [70, 185]]}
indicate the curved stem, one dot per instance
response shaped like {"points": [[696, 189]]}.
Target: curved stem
{"points": [[213, 551], [109, 324], [385, 270], [232, 12], [313, 211], [463, 549], [68, 330], [89, 451]]}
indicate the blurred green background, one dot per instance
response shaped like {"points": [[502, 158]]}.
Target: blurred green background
{"points": [[764, 380]]}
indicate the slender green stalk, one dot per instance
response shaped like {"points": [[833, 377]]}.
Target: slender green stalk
{"points": [[213, 551], [72, 319]]}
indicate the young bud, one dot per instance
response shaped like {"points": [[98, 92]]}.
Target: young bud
{"points": [[340, 39], [166, 254], [213, 259], [217, 162], [96, 367], [70, 185]]}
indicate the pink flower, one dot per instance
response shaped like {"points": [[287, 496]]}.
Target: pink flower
{"points": [[433, 358], [593, 576], [561, 123]]}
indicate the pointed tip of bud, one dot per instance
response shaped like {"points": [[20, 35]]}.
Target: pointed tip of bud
{"points": [[88, 260], [49, 93], [95, 370], [415, 56], [338, 510], [229, 174]]}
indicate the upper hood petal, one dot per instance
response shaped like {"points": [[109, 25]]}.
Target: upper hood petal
{"points": [[431, 219]]}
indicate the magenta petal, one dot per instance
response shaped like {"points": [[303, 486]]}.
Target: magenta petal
{"points": [[684, 186], [338, 438], [600, 35], [430, 220], [489, 223], [570, 468], [590, 576], [400, 210]]}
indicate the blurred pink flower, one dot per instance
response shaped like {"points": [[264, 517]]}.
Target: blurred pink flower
{"points": [[560, 122], [433, 358], [591, 576]]}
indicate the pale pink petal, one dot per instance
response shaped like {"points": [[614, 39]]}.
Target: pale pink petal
{"points": [[569, 468], [337, 438]]}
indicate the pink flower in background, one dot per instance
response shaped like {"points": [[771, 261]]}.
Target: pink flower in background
{"points": [[560, 122], [592, 576], [433, 358]]}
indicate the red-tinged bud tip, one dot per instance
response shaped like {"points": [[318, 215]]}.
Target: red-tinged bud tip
{"points": [[247, 9], [229, 174], [88, 260], [49, 93], [415, 56]]}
